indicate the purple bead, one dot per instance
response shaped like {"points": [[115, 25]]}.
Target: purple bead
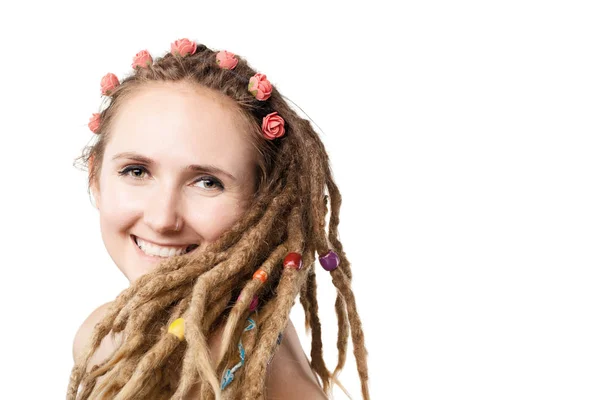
{"points": [[329, 261]]}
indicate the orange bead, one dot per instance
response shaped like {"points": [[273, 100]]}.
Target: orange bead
{"points": [[261, 275]]}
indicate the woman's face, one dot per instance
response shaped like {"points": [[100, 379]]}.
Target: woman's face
{"points": [[178, 170]]}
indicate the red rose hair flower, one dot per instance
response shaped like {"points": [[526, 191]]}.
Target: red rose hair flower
{"points": [[94, 123], [183, 47], [108, 83], [260, 87], [226, 60], [273, 126], [143, 59]]}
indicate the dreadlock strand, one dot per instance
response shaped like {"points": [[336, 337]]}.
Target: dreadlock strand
{"points": [[246, 296], [212, 277], [197, 339], [306, 306], [219, 275], [334, 221], [340, 307], [288, 288], [188, 373], [341, 281], [125, 378], [188, 376], [318, 211], [114, 379], [249, 340], [139, 324], [343, 332], [146, 369], [135, 336], [144, 311], [316, 353], [87, 385], [160, 284]]}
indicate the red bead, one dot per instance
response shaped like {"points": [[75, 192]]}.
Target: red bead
{"points": [[293, 260]]}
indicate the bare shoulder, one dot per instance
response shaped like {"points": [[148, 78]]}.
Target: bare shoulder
{"points": [[289, 375], [84, 334]]}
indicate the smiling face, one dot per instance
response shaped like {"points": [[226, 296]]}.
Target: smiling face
{"points": [[178, 170]]}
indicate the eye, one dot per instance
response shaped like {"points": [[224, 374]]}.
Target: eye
{"points": [[134, 171], [210, 183]]}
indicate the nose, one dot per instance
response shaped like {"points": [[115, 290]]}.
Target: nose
{"points": [[162, 211]]}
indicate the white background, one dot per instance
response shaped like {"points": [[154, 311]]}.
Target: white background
{"points": [[463, 136]]}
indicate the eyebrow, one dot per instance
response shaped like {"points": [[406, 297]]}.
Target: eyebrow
{"points": [[211, 169]]}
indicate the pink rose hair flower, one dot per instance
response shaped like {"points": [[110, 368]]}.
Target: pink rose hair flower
{"points": [[94, 123], [183, 47], [226, 60], [260, 87], [273, 126], [108, 83], [143, 59]]}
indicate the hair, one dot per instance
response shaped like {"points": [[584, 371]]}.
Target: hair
{"points": [[286, 214]]}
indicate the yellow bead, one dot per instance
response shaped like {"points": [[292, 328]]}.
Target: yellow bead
{"points": [[177, 328]]}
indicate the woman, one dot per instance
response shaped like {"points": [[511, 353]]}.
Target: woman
{"points": [[211, 195]]}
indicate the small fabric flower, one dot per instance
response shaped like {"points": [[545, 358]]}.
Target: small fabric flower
{"points": [[108, 83], [273, 126], [260, 87], [94, 123], [143, 59], [226, 60], [183, 47]]}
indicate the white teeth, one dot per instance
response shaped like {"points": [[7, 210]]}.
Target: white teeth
{"points": [[159, 251]]}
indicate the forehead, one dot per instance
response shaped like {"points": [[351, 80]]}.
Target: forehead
{"points": [[177, 123]]}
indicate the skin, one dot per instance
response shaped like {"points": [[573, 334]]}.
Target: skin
{"points": [[147, 190]]}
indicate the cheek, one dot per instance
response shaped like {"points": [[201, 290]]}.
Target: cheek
{"points": [[213, 218], [118, 207]]}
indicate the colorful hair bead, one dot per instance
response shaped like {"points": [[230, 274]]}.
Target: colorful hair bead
{"points": [[177, 328], [329, 261], [260, 275], [293, 260], [253, 303]]}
